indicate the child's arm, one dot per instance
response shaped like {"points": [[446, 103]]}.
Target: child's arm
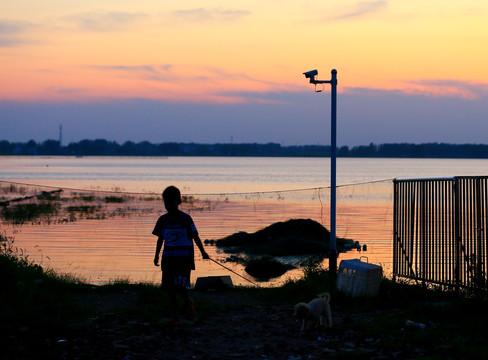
{"points": [[159, 245], [198, 241]]}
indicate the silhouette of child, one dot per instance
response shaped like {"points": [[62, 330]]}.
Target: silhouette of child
{"points": [[177, 231]]}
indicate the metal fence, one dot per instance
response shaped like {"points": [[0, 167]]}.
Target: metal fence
{"points": [[439, 230]]}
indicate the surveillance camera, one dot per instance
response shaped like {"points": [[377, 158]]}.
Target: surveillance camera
{"points": [[311, 74]]}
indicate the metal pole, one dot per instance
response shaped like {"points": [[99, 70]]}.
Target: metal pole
{"points": [[333, 156]]}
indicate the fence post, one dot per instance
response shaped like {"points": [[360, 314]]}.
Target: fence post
{"points": [[457, 235], [395, 228], [479, 276]]}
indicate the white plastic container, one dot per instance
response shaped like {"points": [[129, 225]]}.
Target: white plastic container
{"points": [[358, 278]]}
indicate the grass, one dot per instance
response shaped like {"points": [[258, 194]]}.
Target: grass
{"points": [[77, 212], [48, 208], [22, 213], [13, 189], [114, 199], [32, 296]]}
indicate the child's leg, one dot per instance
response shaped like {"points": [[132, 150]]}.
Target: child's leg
{"points": [[185, 292], [173, 304], [189, 306], [168, 285]]}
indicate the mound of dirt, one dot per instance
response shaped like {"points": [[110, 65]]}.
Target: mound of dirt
{"points": [[294, 237]]}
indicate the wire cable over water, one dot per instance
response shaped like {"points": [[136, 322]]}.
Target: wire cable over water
{"points": [[318, 188]]}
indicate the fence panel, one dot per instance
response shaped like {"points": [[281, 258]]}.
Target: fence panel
{"points": [[439, 231]]}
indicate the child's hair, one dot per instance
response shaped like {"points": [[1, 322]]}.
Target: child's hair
{"points": [[172, 193]]}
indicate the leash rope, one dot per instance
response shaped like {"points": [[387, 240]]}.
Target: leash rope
{"points": [[232, 271]]}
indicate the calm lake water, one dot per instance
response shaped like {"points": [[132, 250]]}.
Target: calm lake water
{"points": [[238, 194]]}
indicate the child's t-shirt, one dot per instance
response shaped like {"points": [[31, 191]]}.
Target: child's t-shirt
{"points": [[178, 234]]}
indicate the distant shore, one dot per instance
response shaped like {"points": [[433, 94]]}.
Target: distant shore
{"points": [[102, 147]]}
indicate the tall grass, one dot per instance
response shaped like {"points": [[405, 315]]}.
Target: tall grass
{"points": [[30, 294], [22, 213]]}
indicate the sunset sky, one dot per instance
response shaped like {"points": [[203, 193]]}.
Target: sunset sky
{"points": [[221, 71]]}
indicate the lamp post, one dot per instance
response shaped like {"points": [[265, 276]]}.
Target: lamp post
{"points": [[333, 155]]}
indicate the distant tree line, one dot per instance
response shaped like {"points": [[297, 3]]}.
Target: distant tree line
{"points": [[101, 147]]}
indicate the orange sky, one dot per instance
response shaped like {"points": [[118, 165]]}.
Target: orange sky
{"points": [[187, 50]]}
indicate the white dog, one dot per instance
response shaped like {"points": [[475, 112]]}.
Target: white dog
{"points": [[314, 314]]}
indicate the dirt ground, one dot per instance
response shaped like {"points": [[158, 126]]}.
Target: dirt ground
{"points": [[232, 328]]}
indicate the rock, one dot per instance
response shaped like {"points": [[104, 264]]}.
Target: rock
{"points": [[214, 283]]}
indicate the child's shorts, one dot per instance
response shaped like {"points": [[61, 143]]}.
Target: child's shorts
{"points": [[175, 280]]}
